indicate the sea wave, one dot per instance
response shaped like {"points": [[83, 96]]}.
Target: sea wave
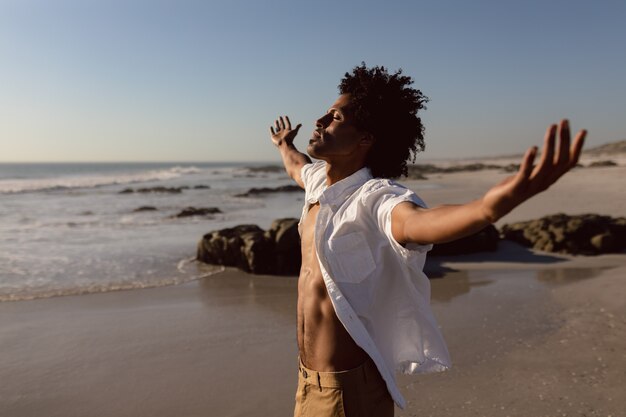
{"points": [[189, 269], [10, 186]]}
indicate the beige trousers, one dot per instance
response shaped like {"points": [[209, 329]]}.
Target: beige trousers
{"points": [[359, 392]]}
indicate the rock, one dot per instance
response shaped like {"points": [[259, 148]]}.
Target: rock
{"points": [[267, 168], [605, 243], [511, 168], [159, 189], [586, 234], [265, 190], [607, 163], [225, 247], [472, 167], [144, 208], [419, 171], [202, 211], [484, 241], [248, 247], [284, 234], [277, 250]]}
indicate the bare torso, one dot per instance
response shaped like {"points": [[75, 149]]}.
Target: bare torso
{"points": [[323, 342]]}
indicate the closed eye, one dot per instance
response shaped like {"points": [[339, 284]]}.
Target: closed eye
{"points": [[336, 114]]}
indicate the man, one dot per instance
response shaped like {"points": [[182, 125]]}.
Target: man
{"points": [[363, 301]]}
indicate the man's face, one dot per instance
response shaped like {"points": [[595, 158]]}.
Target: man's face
{"points": [[335, 135]]}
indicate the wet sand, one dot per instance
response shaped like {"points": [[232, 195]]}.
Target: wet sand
{"points": [[530, 334], [543, 342], [221, 346], [529, 340]]}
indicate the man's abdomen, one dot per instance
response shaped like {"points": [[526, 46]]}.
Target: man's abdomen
{"points": [[323, 341]]}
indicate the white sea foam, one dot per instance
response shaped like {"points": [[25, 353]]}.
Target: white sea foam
{"points": [[93, 180], [33, 288], [33, 293]]}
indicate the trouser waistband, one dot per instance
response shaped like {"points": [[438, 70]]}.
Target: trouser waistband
{"points": [[363, 374]]}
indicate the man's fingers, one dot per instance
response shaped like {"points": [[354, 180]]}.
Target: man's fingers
{"points": [[577, 147], [527, 163], [277, 125], [298, 127], [526, 168], [563, 156], [272, 131], [282, 122], [288, 122], [547, 154]]}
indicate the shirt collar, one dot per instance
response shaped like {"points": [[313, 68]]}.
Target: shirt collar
{"points": [[337, 193]]}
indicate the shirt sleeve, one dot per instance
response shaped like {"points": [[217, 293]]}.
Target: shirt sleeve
{"points": [[313, 176], [383, 198]]}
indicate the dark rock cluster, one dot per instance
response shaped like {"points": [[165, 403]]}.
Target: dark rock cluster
{"points": [[159, 189], [267, 190], [419, 171], [277, 250], [604, 163], [586, 234], [248, 247], [267, 168], [144, 208], [162, 190], [186, 212], [201, 211]]}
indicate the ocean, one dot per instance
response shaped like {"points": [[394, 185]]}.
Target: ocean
{"points": [[67, 229]]}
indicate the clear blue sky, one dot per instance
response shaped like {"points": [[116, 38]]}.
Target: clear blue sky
{"points": [[183, 80]]}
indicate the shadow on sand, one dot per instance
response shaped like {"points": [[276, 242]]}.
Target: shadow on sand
{"points": [[508, 252]]}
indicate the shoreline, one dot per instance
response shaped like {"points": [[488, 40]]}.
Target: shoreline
{"points": [[453, 188]]}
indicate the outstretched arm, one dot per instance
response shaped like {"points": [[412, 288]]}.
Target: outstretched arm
{"points": [[282, 136], [410, 223]]}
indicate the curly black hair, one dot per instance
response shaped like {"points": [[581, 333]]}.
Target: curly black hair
{"points": [[386, 106]]}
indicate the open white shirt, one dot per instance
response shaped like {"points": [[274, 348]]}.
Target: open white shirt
{"points": [[377, 287]]}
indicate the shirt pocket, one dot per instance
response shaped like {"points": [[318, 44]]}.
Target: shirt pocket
{"points": [[352, 257]]}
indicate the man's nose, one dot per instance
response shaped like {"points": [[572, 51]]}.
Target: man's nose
{"points": [[322, 121]]}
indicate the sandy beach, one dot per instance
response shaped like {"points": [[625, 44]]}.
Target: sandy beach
{"points": [[530, 333]]}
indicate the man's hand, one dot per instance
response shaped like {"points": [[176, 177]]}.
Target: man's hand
{"points": [[530, 180], [283, 132], [410, 223], [283, 138]]}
